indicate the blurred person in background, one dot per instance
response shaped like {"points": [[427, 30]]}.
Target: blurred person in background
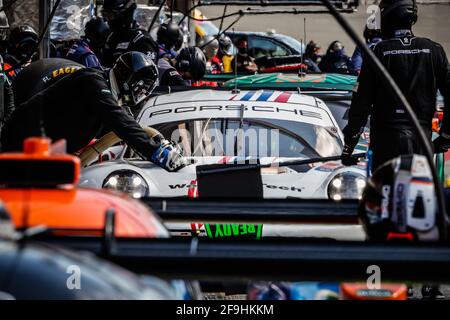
{"points": [[21, 51], [4, 30], [210, 47], [335, 60], [125, 33], [225, 53], [372, 37], [88, 49], [244, 62], [311, 57], [168, 38], [314, 51], [7, 103]]}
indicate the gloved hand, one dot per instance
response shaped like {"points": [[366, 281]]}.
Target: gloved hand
{"points": [[441, 144], [347, 159], [351, 139], [167, 156]]}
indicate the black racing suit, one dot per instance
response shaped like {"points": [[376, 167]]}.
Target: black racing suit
{"points": [[6, 98], [420, 67], [126, 40], [168, 75], [74, 106], [7, 108]]}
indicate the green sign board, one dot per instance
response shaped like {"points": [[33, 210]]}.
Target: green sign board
{"points": [[234, 230]]}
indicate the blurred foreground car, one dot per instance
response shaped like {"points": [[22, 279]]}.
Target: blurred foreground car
{"points": [[43, 271], [38, 188]]}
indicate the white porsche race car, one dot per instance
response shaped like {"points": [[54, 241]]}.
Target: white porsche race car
{"points": [[223, 127]]}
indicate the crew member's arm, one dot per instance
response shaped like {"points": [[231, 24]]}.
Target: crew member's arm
{"points": [[155, 149], [8, 96], [362, 100], [356, 61], [118, 120], [171, 77], [91, 61], [8, 100], [442, 143], [252, 66]]}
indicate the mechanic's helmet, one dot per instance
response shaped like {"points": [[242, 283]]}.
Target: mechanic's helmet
{"points": [[370, 34], [22, 42], [119, 13], [210, 47], [136, 76], [225, 45], [169, 34], [96, 31], [4, 26], [399, 201], [191, 60], [179, 42], [397, 15]]}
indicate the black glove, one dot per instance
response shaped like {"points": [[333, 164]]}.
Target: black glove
{"points": [[347, 159], [351, 139], [441, 144]]}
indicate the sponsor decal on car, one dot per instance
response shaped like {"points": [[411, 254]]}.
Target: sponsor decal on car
{"points": [[329, 167]]}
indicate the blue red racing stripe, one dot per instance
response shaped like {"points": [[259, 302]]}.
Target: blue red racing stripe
{"points": [[420, 180], [247, 96], [284, 97], [265, 96]]}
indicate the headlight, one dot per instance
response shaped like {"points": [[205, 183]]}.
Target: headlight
{"points": [[127, 181], [348, 185]]}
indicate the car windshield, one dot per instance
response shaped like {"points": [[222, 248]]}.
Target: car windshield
{"points": [[291, 42], [258, 138]]}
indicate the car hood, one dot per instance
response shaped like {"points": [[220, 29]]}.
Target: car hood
{"points": [[305, 181]]}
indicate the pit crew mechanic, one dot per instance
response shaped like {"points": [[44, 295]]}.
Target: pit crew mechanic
{"points": [[88, 49], [420, 67], [189, 65], [167, 38], [7, 103], [125, 32], [72, 102], [21, 50]]}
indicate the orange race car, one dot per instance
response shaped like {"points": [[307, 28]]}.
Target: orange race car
{"points": [[38, 188]]}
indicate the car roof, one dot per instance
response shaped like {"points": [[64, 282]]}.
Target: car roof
{"points": [[285, 39], [242, 95], [264, 104], [251, 33], [272, 35]]}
